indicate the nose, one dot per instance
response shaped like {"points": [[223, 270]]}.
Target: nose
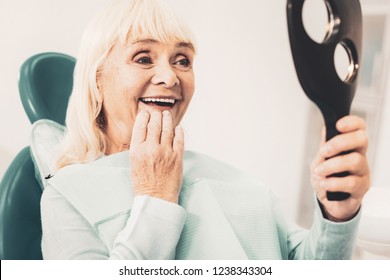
{"points": [[165, 75]]}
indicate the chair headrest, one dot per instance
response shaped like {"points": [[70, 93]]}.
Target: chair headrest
{"points": [[45, 84]]}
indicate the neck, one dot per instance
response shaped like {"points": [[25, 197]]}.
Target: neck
{"points": [[116, 141], [113, 148]]}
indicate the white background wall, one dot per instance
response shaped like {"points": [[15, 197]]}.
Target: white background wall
{"points": [[248, 108]]}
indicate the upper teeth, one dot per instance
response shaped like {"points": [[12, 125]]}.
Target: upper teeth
{"points": [[165, 100]]}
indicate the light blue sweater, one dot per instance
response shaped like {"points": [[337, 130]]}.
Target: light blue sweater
{"points": [[89, 212]]}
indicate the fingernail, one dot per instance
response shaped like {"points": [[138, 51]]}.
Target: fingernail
{"points": [[166, 113]]}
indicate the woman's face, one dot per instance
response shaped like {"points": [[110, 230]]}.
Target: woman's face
{"points": [[145, 75]]}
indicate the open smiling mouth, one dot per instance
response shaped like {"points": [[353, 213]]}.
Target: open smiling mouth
{"points": [[163, 102]]}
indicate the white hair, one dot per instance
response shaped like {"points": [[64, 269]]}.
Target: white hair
{"points": [[120, 22]]}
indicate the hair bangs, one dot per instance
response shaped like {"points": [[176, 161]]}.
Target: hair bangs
{"points": [[151, 19]]}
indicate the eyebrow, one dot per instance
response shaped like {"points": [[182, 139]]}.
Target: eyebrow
{"points": [[185, 45], [152, 41]]}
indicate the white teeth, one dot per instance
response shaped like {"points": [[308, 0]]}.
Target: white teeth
{"points": [[163, 100]]}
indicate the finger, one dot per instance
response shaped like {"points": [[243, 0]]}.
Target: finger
{"points": [[356, 140], [138, 134], [355, 185], [321, 194], [154, 127], [319, 158], [167, 129], [350, 123], [178, 141], [355, 163], [316, 162]]}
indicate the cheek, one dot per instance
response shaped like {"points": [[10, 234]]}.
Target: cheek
{"points": [[120, 102], [120, 89], [189, 87]]}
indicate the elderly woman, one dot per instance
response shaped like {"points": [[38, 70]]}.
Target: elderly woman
{"points": [[126, 189]]}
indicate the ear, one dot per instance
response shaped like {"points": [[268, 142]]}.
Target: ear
{"points": [[100, 84], [99, 77]]}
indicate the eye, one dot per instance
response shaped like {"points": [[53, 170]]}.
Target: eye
{"points": [[142, 57], [182, 62], [144, 60]]}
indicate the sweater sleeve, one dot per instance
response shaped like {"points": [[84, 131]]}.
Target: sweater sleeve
{"points": [[152, 230], [325, 239]]}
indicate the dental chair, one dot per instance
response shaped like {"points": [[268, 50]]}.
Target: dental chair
{"points": [[45, 84]]}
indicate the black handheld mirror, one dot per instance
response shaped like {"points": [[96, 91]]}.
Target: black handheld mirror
{"points": [[315, 67]]}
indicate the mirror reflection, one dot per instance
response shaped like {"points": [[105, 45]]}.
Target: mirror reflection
{"points": [[317, 19]]}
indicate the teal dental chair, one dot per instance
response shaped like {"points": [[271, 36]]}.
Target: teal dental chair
{"points": [[45, 84]]}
